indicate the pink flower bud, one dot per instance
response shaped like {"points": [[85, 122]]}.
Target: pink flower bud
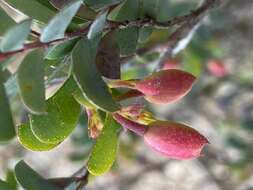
{"points": [[171, 64], [166, 86], [217, 68], [175, 140]]}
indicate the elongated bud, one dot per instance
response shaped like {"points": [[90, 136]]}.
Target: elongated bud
{"points": [[175, 140], [95, 124], [166, 86], [217, 68]]}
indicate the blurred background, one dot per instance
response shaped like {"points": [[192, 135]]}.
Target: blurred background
{"points": [[220, 106]]}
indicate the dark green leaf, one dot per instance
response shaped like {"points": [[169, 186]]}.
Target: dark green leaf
{"points": [[108, 57], [30, 79], [96, 4], [6, 22], [31, 180], [60, 50], [61, 118], [97, 25], [127, 39], [33, 9], [127, 11], [15, 37], [7, 130], [5, 186], [150, 8], [59, 24], [104, 151], [94, 88], [29, 141], [84, 12]]}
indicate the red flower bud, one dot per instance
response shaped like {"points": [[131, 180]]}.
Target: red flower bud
{"points": [[171, 64], [166, 86], [175, 140], [217, 68]]}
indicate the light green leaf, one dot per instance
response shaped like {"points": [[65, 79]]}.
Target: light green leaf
{"points": [[97, 4], [7, 130], [90, 81], [81, 99], [11, 180], [33, 9], [104, 151], [97, 25], [59, 24], [30, 77], [61, 118], [60, 50], [127, 39], [5, 186], [29, 141], [15, 37], [6, 22], [31, 180], [127, 11]]}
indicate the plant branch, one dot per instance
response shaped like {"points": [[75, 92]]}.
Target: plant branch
{"points": [[111, 25], [187, 28]]}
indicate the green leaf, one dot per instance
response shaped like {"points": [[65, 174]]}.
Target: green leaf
{"points": [[127, 39], [14, 38], [97, 4], [7, 129], [59, 24], [5, 186], [30, 77], [33, 9], [61, 118], [84, 12], [108, 56], [29, 141], [145, 33], [150, 8], [104, 151], [97, 25], [81, 99], [10, 178], [58, 51], [31, 180], [127, 11], [93, 86], [6, 22]]}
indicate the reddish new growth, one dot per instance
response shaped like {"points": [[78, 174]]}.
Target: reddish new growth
{"points": [[171, 139], [171, 64], [166, 86]]}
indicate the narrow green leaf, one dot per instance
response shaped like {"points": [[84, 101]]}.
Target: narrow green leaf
{"points": [[84, 12], [30, 77], [61, 118], [127, 11], [31, 180], [5, 186], [127, 39], [7, 130], [29, 141], [59, 24], [104, 151], [33, 9], [6, 22], [93, 86], [15, 37], [60, 50], [97, 25], [97, 4]]}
